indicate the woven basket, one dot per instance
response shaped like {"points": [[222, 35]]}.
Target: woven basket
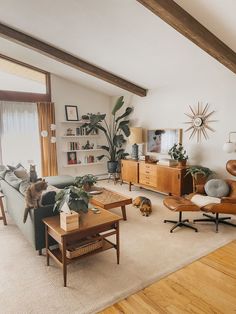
{"points": [[75, 251]]}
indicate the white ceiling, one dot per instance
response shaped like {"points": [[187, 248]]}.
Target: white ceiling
{"points": [[120, 36]]}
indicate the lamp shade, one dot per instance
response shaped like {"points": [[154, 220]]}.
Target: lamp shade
{"points": [[136, 135], [229, 147]]}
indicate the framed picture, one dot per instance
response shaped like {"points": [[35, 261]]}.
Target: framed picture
{"points": [[71, 158], [71, 113], [161, 140]]}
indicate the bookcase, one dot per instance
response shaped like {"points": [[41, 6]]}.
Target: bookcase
{"points": [[78, 147]]}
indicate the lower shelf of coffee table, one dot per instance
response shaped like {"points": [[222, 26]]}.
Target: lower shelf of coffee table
{"points": [[57, 255]]}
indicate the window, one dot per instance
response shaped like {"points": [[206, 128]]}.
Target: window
{"points": [[21, 82], [19, 134]]}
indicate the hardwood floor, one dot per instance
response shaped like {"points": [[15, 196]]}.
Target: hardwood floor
{"points": [[205, 286]]}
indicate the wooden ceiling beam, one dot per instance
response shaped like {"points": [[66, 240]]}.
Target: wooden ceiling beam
{"points": [[68, 59], [174, 15]]}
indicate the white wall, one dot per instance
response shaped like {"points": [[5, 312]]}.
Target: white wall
{"points": [[165, 108], [64, 93]]}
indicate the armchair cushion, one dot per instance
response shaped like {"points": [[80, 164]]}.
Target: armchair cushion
{"points": [[217, 188]]}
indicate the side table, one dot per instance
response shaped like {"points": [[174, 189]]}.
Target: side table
{"points": [[3, 217], [100, 225]]}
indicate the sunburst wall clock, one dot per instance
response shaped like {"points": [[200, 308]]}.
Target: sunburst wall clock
{"points": [[199, 122]]}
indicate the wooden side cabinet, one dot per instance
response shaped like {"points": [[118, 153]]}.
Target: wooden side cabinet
{"points": [[164, 179], [129, 171]]}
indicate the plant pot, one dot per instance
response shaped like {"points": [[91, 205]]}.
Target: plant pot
{"points": [[87, 187], [199, 179], [112, 166], [182, 163]]}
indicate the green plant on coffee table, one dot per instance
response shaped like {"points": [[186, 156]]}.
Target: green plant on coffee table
{"points": [[76, 198], [86, 181], [177, 152], [199, 170]]}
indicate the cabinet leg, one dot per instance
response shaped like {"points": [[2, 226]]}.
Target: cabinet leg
{"points": [[130, 186]]}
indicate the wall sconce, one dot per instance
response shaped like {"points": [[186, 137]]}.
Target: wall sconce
{"points": [[229, 147], [45, 133]]}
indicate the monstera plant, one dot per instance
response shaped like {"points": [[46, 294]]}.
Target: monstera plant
{"points": [[115, 133]]}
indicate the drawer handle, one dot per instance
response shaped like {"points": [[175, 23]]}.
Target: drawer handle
{"points": [[147, 171]]}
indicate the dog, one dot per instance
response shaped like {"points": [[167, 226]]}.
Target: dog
{"points": [[144, 204]]}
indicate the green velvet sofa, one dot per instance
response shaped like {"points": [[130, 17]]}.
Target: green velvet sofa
{"points": [[33, 229]]}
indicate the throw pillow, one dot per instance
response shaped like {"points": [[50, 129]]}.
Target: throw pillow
{"points": [[24, 186], [12, 179], [21, 173], [217, 188]]}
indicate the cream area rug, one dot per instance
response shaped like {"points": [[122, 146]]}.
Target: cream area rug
{"points": [[148, 252]]}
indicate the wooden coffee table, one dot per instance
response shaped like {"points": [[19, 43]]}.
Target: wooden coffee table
{"points": [[98, 226], [109, 199]]}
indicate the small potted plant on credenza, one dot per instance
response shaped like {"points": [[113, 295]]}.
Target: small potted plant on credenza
{"points": [[177, 152]]}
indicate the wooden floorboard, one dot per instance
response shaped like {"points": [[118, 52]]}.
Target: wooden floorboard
{"points": [[205, 286]]}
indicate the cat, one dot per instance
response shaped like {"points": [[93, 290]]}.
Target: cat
{"points": [[144, 204], [33, 177], [33, 196]]}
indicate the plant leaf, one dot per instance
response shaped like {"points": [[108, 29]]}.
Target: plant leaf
{"points": [[127, 112], [119, 103]]}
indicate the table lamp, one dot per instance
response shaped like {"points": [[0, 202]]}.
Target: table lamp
{"points": [[136, 137]]}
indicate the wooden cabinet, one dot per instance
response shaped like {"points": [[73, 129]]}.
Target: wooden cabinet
{"points": [[129, 171], [164, 179]]}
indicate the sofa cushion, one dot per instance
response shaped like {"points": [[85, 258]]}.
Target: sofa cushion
{"points": [[48, 198], [217, 188], [12, 179], [60, 181], [3, 171]]}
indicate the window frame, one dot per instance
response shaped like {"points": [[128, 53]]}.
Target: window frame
{"points": [[27, 96]]}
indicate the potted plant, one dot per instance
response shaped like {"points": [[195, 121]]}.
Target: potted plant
{"points": [[115, 133], [86, 182], [76, 198], [199, 174], [177, 152]]}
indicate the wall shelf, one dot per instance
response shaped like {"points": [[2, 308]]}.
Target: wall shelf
{"points": [[75, 122], [83, 150], [80, 136], [85, 164]]}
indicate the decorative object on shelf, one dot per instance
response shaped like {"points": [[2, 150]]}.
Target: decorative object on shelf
{"points": [[88, 145], [199, 122], [69, 132], [71, 158], [161, 140], [72, 113], [199, 174], [230, 147], [135, 138], [115, 133], [86, 182], [177, 152], [51, 133]]}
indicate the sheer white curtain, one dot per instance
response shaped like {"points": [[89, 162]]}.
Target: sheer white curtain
{"points": [[19, 134]]}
